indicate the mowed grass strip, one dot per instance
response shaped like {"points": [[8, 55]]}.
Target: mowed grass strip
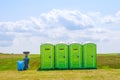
{"points": [[99, 74]]}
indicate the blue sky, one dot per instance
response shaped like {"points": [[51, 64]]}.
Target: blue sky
{"points": [[25, 24], [23, 9]]}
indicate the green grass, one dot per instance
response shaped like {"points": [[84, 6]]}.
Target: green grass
{"points": [[99, 74], [108, 61], [108, 69], [9, 61]]}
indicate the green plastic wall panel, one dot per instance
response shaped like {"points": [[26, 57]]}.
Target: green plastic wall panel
{"points": [[46, 56], [89, 55], [61, 56], [75, 56]]}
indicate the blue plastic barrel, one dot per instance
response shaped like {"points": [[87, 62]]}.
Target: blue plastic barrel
{"points": [[20, 65]]}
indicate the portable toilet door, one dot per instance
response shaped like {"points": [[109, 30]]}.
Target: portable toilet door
{"points": [[89, 55], [46, 56], [75, 56], [61, 56]]}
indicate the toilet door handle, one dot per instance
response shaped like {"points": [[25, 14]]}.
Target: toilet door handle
{"points": [[49, 56]]}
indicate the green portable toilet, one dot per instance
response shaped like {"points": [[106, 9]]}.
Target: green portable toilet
{"points": [[75, 56], [89, 55], [61, 56], [46, 56]]}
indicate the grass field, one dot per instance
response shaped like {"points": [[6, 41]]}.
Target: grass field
{"points": [[100, 74], [108, 69]]}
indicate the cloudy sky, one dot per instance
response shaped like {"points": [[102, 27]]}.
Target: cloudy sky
{"points": [[25, 24]]}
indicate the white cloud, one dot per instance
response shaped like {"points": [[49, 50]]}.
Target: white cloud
{"points": [[60, 26]]}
